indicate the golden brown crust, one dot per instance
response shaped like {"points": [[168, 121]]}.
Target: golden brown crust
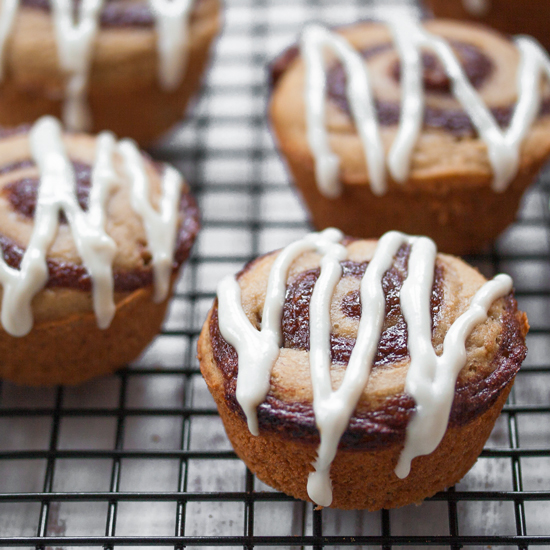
{"points": [[74, 349], [461, 220], [124, 93], [448, 194], [362, 473], [360, 480]]}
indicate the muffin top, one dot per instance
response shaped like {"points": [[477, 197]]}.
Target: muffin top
{"points": [[453, 145], [494, 347], [124, 52], [131, 210]]}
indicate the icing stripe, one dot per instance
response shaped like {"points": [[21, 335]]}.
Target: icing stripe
{"points": [[259, 349], [359, 91], [74, 38], [503, 147], [97, 249], [55, 194], [160, 227], [172, 24], [333, 409], [430, 379], [412, 105], [104, 178]]}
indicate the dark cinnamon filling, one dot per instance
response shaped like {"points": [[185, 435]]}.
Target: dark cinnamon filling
{"points": [[477, 66], [370, 429], [392, 346], [115, 13], [22, 196]]}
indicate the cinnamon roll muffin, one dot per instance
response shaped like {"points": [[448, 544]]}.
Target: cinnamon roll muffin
{"points": [[130, 67], [361, 374], [415, 127], [92, 235], [508, 16]]}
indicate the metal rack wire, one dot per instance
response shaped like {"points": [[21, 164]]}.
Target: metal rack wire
{"points": [[140, 458]]}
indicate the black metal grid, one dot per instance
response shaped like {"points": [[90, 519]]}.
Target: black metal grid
{"points": [[140, 458]]}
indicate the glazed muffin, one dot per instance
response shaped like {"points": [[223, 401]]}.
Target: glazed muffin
{"points": [[401, 358], [92, 235], [413, 157], [508, 16], [130, 67]]}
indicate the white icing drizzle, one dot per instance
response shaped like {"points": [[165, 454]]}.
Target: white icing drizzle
{"points": [[172, 28], [103, 180], [333, 409], [430, 379], [56, 194], [478, 8], [359, 91], [258, 349], [75, 41], [74, 45], [97, 249], [412, 107], [160, 227], [502, 145]]}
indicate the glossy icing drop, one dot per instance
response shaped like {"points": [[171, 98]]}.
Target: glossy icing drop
{"points": [[410, 37], [315, 40], [97, 249], [75, 40], [430, 379], [75, 37], [160, 227], [172, 30]]}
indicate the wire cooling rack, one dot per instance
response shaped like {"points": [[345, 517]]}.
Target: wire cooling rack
{"points": [[141, 459]]}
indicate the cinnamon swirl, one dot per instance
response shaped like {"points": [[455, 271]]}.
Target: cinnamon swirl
{"points": [[92, 235], [128, 66], [430, 128], [361, 374]]}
